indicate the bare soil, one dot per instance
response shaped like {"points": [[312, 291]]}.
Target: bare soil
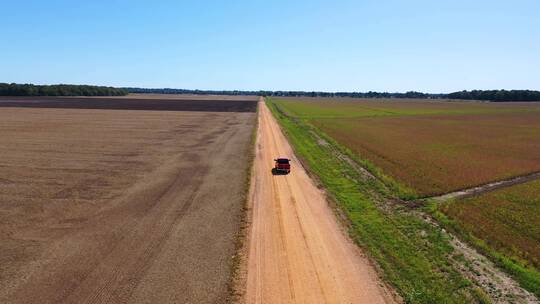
{"points": [[139, 102], [190, 96], [101, 206]]}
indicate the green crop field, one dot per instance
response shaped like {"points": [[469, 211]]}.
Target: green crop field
{"points": [[313, 108], [508, 219], [431, 147]]}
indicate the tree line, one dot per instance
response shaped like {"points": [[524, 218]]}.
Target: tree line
{"points": [[14, 89], [497, 95], [490, 95], [88, 90], [370, 94]]}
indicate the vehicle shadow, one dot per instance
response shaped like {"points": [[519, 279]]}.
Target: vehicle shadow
{"points": [[276, 172]]}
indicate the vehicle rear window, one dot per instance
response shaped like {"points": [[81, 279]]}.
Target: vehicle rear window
{"points": [[283, 161]]}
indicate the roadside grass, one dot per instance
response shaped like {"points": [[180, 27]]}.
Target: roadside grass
{"points": [[413, 255], [504, 225]]}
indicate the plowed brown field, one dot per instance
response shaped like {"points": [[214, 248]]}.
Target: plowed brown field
{"points": [[119, 206]]}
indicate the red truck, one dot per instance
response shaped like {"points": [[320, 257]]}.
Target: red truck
{"points": [[282, 165]]}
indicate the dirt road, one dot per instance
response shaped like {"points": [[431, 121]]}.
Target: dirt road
{"points": [[119, 206], [298, 253]]}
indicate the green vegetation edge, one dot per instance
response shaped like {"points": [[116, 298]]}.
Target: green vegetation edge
{"points": [[414, 256]]}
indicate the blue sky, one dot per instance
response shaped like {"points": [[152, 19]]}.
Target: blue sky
{"points": [[431, 46]]}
